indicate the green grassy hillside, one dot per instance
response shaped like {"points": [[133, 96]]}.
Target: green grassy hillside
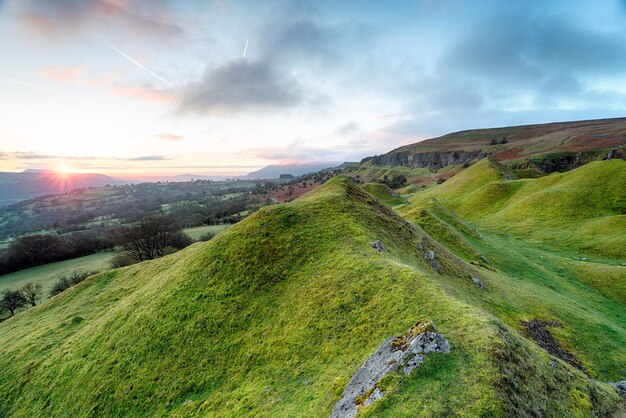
{"points": [[273, 316], [582, 211]]}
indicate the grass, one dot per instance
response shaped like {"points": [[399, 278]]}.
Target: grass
{"points": [[581, 211], [196, 232], [274, 315], [48, 274], [384, 193]]}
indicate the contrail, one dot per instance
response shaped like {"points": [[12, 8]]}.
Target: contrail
{"points": [[152, 73], [24, 83], [245, 48]]}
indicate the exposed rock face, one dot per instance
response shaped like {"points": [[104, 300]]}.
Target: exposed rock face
{"points": [[431, 160], [620, 387], [405, 352], [432, 258], [477, 282], [377, 245]]}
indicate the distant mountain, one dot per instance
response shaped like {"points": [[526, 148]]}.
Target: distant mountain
{"points": [[30, 183], [274, 171]]}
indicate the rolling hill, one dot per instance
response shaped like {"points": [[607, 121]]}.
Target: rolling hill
{"points": [[583, 210], [275, 315]]}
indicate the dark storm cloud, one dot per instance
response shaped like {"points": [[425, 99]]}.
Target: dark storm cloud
{"points": [[66, 16], [241, 85]]}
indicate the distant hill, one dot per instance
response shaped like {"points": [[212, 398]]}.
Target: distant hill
{"points": [[274, 171], [30, 183], [559, 146]]}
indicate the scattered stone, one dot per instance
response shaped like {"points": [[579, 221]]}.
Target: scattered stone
{"points": [[584, 259], [405, 352], [620, 387], [624, 264], [553, 364], [432, 258], [377, 245], [477, 282], [482, 257]]}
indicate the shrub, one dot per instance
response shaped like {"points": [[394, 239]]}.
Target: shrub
{"points": [[206, 237], [180, 240], [121, 260], [12, 300], [66, 282]]}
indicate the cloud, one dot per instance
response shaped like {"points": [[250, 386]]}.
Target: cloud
{"points": [[66, 16], [514, 69], [30, 155], [546, 55], [169, 137], [297, 153], [148, 158], [62, 74], [348, 129], [238, 86]]}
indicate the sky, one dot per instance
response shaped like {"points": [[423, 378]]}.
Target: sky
{"points": [[224, 87]]}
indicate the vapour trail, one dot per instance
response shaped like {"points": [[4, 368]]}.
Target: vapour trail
{"points": [[24, 83], [133, 61], [245, 48]]}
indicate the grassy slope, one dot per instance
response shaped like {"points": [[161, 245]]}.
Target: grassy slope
{"points": [[196, 232], [48, 274], [272, 317], [384, 193], [581, 211], [531, 140]]}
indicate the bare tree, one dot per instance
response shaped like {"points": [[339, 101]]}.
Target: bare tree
{"points": [[12, 300], [148, 238], [32, 292]]}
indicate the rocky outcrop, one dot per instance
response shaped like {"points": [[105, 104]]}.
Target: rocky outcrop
{"points": [[477, 282], [431, 160], [432, 259], [620, 387], [404, 352], [377, 245]]}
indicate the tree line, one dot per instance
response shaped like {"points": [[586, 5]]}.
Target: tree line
{"points": [[153, 236]]}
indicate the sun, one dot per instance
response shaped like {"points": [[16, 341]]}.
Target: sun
{"points": [[64, 168]]}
